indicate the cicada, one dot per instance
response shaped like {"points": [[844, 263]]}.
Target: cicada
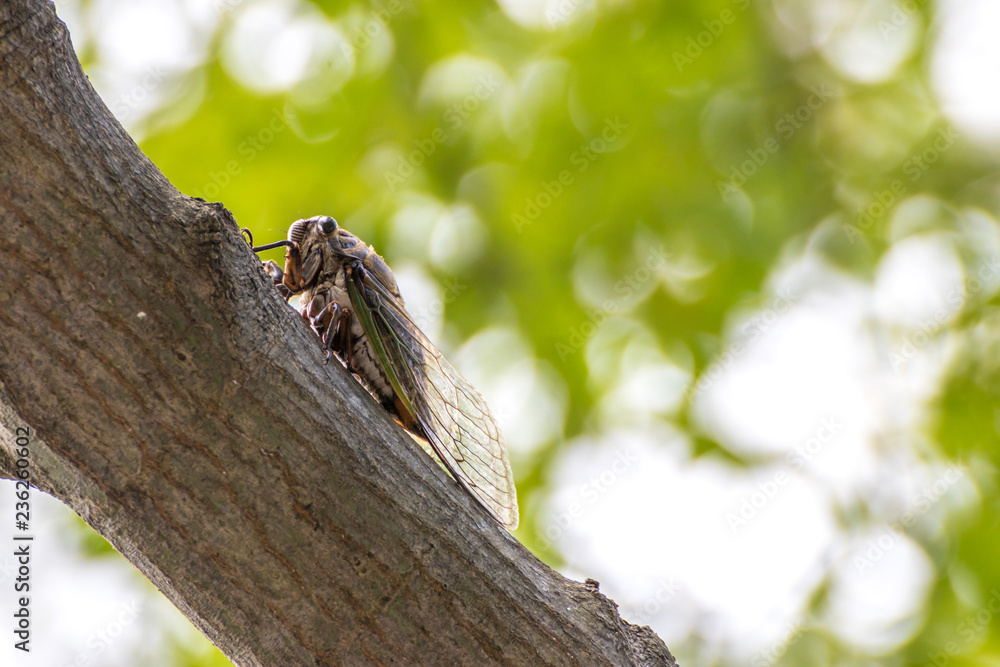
{"points": [[350, 298]]}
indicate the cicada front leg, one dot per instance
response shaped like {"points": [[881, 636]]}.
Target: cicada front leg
{"points": [[274, 272], [293, 269], [277, 277], [333, 322], [290, 280]]}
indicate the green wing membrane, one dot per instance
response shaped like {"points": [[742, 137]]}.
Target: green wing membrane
{"points": [[455, 417]]}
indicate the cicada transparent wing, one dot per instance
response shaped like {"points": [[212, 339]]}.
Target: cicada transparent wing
{"points": [[454, 416]]}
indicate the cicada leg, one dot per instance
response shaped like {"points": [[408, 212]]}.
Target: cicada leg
{"points": [[293, 269], [274, 272], [289, 281], [333, 323], [337, 336], [277, 277]]}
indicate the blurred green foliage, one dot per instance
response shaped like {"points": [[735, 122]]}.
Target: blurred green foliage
{"points": [[567, 151]]}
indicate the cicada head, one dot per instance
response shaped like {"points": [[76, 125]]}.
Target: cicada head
{"points": [[321, 225]]}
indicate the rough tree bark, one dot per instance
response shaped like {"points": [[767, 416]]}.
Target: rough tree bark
{"points": [[181, 408]]}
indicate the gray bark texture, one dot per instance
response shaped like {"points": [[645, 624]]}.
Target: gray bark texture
{"points": [[180, 407]]}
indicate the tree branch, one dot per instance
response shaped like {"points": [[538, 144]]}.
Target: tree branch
{"points": [[181, 408]]}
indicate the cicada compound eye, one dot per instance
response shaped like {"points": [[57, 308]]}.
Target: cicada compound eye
{"points": [[327, 225]]}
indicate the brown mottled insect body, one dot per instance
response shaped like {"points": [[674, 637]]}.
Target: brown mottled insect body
{"points": [[322, 286], [350, 297]]}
